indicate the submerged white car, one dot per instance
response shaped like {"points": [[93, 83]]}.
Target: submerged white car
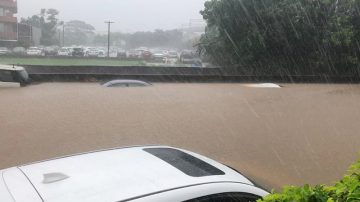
{"points": [[150, 173], [13, 76], [125, 83]]}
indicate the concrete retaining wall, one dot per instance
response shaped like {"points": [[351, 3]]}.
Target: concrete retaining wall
{"points": [[171, 74]]}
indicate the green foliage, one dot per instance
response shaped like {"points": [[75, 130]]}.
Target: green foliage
{"points": [[78, 32], [346, 190], [283, 36]]}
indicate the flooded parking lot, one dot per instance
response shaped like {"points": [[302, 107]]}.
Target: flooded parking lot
{"points": [[294, 135]]}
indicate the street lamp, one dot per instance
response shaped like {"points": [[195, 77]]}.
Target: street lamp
{"points": [[63, 34]]}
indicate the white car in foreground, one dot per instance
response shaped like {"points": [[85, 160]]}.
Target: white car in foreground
{"points": [[151, 173]]}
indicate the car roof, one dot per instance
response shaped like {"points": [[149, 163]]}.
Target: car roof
{"points": [[125, 82], [11, 67], [34, 48], [121, 174]]}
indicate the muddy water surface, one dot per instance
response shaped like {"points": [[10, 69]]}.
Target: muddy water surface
{"points": [[294, 135]]}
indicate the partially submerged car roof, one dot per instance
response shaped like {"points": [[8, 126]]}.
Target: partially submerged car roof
{"points": [[124, 81], [11, 67], [121, 174]]}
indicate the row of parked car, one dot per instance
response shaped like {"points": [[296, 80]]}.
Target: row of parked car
{"points": [[166, 56], [153, 55], [61, 51]]}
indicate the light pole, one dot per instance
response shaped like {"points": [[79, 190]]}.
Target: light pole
{"points": [[63, 35], [109, 24], [59, 37]]}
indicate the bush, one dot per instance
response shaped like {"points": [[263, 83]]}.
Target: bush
{"points": [[346, 190]]}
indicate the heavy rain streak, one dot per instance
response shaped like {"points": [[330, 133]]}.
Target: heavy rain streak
{"points": [[268, 87]]}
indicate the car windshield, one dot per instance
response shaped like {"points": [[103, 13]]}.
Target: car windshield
{"points": [[270, 88], [24, 74]]}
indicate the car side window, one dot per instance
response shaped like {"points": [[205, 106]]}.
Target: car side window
{"points": [[120, 85], [227, 197], [136, 85], [6, 76]]}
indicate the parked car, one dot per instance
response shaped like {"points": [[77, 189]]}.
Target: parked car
{"points": [[126, 83], [91, 52], [143, 53], [51, 50], [146, 55], [172, 54], [172, 57], [113, 53], [138, 174], [64, 52], [133, 54], [71, 50], [4, 51], [121, 53], [159, 57], [13, 75], [78, 52], [19, 51], [102, 53], [35, 51], [189, 57]]}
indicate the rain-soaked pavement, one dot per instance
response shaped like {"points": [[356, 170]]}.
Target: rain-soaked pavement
{"points": [[294, 135]]}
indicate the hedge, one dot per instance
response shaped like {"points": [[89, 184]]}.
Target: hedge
{"points": [[345, 190]]}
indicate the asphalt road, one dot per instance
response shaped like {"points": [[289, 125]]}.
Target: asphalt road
{"points": [[294, 135]]}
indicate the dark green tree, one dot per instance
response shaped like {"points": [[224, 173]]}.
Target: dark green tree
{"points": [[282, 36]]}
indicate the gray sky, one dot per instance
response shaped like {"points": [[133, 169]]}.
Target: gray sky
{"points": [[129, 15]]}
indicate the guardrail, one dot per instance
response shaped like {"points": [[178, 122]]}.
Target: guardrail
{"points": [[172, 74]]}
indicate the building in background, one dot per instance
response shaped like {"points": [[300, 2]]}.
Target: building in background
{"points": [[13, 33], [28, 35], [8, 22]]}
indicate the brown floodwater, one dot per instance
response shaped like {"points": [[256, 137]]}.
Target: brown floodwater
{"points": [[294, 135]]}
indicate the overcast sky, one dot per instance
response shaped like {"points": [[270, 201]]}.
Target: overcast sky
{"points": [[129, 15]]}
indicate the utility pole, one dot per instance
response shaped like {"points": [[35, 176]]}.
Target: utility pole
{"points": [[109, 24]]}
